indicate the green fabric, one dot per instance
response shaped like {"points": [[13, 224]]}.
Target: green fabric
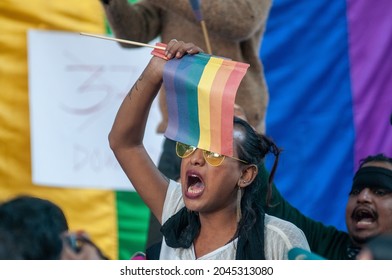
{"points": [[132, 218]]}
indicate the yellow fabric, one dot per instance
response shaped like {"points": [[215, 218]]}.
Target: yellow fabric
{"points": [[90, 210]]}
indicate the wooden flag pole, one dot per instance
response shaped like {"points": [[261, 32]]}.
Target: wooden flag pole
{"points": [[205, 33], [195, 5], [123, 41]]}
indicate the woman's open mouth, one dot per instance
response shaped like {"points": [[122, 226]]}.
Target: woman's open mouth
{"points": [[195, 186]]}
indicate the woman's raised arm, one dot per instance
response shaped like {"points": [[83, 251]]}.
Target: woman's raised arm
{"points": [[126, 135]]}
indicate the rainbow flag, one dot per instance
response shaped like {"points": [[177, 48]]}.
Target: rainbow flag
{"points": [[200, 95]]}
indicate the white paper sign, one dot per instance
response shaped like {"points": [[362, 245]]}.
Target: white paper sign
{"points": [[76, 85]]}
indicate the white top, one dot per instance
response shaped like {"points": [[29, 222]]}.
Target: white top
{"points": [[279, 236]]}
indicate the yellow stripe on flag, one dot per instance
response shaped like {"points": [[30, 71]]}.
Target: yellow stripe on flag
{"points": [[204, 90]]}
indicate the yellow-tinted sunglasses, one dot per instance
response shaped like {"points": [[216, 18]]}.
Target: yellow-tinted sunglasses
{"points": [[214, 159]]}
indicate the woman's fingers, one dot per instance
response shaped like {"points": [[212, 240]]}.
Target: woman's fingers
{"points": [[178, 49]]}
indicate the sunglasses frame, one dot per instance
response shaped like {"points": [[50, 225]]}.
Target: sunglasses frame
{"points": [[206, 154]]}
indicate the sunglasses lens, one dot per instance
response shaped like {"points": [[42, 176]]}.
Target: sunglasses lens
{"points": [[214, 159], [184, 150]]}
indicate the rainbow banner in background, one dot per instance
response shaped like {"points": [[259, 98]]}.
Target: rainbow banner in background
{"points": [[329, 77], [200, 95], [328, 74]]}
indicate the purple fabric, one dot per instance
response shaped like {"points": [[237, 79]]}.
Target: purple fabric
{"points": [[370, 51]]}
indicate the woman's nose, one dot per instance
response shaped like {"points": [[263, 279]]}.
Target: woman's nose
{"points": [[197, 157]]}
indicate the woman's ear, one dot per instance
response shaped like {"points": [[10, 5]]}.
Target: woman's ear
{"points": [[249, 173]]}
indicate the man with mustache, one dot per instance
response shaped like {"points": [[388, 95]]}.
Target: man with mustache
{"points": [[368, 212], [369, 207]]}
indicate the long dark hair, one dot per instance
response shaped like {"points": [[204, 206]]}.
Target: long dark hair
{"points": [[253, 149]]}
